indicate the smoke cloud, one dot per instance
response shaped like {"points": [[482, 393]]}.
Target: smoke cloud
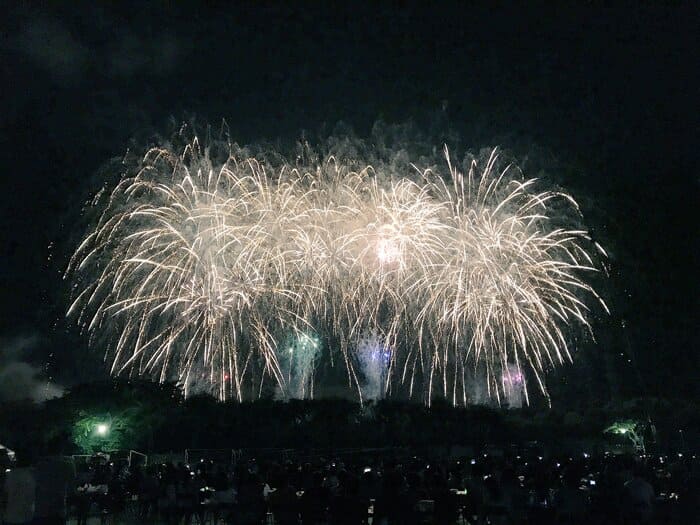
{"points": [[19, 378]]}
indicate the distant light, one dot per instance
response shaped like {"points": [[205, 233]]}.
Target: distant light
{"points": [[102, 429], [7, 470]]}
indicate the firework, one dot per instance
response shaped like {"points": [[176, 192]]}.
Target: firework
{"points": [[374, 359], [198, 270], [298, 361]]}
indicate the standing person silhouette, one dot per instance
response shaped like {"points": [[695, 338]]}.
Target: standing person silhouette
{"points": [[18, 491], [55, 481]]}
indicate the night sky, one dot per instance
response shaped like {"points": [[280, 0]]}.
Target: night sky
{"points": [[605, 101]]}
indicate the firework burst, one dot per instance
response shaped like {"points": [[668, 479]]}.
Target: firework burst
{"points": [[200, 271]]}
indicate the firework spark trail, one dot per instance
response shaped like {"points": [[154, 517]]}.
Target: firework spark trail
{"points": [[298, 360], [374, 360], [199, 270]]}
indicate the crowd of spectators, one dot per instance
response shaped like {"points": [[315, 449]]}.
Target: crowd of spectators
{"points": [[501, 487]]}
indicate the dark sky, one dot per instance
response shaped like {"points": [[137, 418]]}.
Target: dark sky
{"points": [[609, 96]]}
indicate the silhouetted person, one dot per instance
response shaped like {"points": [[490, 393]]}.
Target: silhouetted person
{"points": [[55, 481], [314, 501], [250, 498], [18, 491], [638, 497], [569, 501], [348, 508], [284, 503]]}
